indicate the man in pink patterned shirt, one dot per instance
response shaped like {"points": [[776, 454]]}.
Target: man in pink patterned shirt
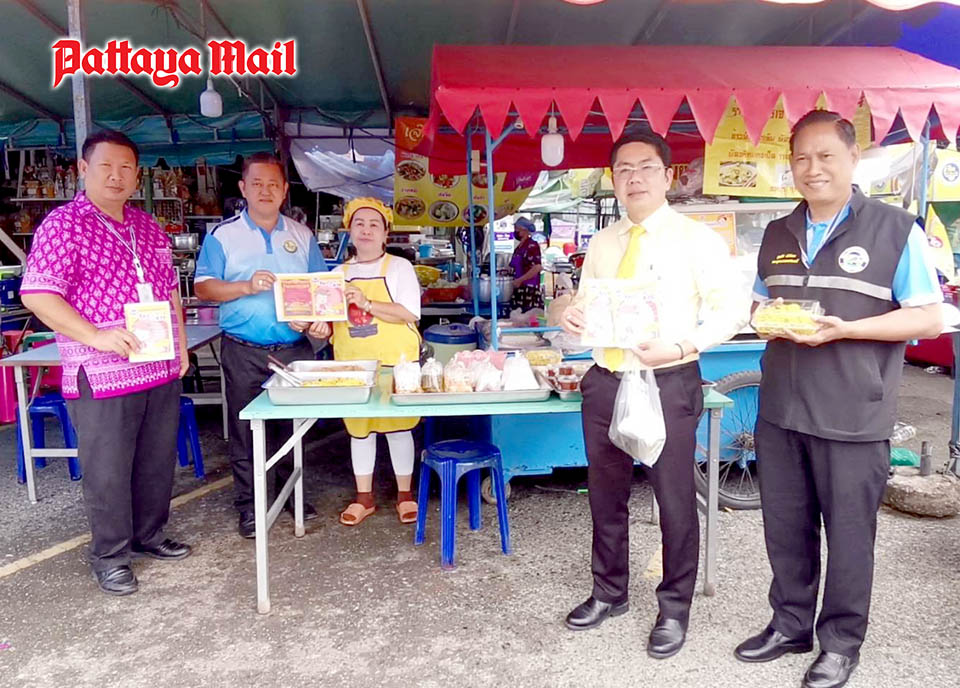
{"points": [[89, 258]]}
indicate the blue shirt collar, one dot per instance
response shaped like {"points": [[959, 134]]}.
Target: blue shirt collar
{"points": [[253, 225]]}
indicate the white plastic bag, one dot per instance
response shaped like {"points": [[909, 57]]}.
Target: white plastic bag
{"points": [[637, 425]]}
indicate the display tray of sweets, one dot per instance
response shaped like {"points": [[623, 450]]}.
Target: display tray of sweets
{"points": [[777, 316], [542, 393], [564, 378]]}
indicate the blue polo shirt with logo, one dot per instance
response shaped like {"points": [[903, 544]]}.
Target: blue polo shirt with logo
{"points": [[235, 249]]}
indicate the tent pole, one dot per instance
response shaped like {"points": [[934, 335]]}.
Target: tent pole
{"points": [[494, 336], [924, 172], [474, 266], [77, 25]]}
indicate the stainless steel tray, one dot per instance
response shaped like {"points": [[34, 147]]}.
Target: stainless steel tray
{"points": [[284, 394], [332, 366], [416, 399]]}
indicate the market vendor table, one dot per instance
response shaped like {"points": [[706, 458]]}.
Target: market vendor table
{"points": [[261, 409], [49, 355]]}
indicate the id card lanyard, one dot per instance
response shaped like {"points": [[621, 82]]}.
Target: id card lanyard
{"points": [[144, 290]]}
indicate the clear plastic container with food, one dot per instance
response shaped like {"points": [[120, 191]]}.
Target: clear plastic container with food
{"points": [[777, 316]]}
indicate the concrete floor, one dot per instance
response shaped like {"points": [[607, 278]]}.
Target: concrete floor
{"points": [[363, 607]]}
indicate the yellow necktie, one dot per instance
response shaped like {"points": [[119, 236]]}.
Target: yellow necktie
{"points": [[614, 358]]}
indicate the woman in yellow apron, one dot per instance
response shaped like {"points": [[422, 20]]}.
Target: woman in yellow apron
{"points": [[383, 297]]}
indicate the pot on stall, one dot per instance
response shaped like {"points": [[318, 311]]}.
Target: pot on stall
{"points": [[504, 289], [185, 242]]}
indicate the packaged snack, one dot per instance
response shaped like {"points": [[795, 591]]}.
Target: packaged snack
{"points": [[457, 378], [488, 378], [406, 376], [776, 316], [518, 375], [619, 313], [543, 357], [569, 383], [431, 376]]}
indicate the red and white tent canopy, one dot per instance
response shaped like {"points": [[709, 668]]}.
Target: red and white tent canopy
{"points": [[604, 86]]}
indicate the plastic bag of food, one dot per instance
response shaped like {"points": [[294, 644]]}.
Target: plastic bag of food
{"points": [[406, 376], [637, 426], [518, 375], [488, 378], [457, 378], [431, 376]]}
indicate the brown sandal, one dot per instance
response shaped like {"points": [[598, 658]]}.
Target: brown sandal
{"points": [[354, 514], [407, 511]]}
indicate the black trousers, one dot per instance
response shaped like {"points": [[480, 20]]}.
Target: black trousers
{"points": [[609, 477], [244, 370], [128, 451], [805, 480]]}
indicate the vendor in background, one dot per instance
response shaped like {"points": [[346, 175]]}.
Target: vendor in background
{"points": [[527, 267], [383, 297], [89, 259], [236, 267], [699, 306]]}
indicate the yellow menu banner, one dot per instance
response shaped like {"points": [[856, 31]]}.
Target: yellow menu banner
{"points": [[447, 200], [733, 166]]}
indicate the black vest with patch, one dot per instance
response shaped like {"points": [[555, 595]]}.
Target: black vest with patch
{"points": [[846, 389]]}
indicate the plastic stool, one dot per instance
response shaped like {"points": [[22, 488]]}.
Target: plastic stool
{"points": [[48, 405], [452, 459], [187, 434]]}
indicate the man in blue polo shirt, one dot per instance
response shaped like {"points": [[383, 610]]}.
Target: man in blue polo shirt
{"points": [[237, 267]]}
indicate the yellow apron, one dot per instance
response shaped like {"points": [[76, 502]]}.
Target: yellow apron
{"points": [[363, 336]]}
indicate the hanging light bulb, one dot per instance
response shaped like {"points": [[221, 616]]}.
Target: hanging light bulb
{"points": [[583, 2], [551, 145], [211, 104]]}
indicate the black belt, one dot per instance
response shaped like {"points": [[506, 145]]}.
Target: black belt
{"points": [[657, 372], [265, 347]]}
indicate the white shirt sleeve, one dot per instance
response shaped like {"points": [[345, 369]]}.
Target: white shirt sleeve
{"points": [[403, 284]]}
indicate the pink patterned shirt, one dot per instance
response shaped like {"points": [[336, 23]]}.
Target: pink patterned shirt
{"points": [[74, 256]]}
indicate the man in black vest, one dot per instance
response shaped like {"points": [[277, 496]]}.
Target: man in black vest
{"points": [[828, 400]]}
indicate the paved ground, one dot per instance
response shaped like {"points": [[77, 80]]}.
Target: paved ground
{"points": [[363, 607]]}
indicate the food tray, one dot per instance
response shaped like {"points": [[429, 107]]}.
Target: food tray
{"points": [[416, 399], [332, 366], [282, 393]]}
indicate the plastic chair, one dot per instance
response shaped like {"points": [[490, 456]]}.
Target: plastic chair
{"points": [[452, 459], [48, 405], [188, 435]]}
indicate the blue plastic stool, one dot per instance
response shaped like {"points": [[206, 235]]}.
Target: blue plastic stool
{"points": [[187, 434], [51, 404], [452, 459]]}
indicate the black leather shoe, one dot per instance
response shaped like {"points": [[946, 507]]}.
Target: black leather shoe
{"points": [[666, 638], [593, 612], [168, 550], [247, 527], [309, 513], [770, 644], [118, 580], [830, 670]]}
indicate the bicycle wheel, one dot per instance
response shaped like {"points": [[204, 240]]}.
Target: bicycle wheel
{"points": [[739, 482]]}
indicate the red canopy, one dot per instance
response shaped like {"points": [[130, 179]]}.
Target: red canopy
{"points": [[597, 88]]}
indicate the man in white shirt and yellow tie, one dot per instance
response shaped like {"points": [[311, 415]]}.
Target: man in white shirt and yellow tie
{"points": [[700, 305]]}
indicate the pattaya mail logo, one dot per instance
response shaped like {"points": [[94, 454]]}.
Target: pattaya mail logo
{"points": [[165, 66]]}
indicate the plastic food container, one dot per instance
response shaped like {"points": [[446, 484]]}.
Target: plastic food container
{"points": [[447, 340], [776, 317]]}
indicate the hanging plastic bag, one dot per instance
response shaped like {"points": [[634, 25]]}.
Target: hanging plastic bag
{"points": [[637, 425]]}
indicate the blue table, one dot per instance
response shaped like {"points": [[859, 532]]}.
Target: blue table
{"points": [[379, 406]]}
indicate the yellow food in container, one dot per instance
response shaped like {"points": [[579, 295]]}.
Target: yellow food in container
{"points": [[776, 317]]}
